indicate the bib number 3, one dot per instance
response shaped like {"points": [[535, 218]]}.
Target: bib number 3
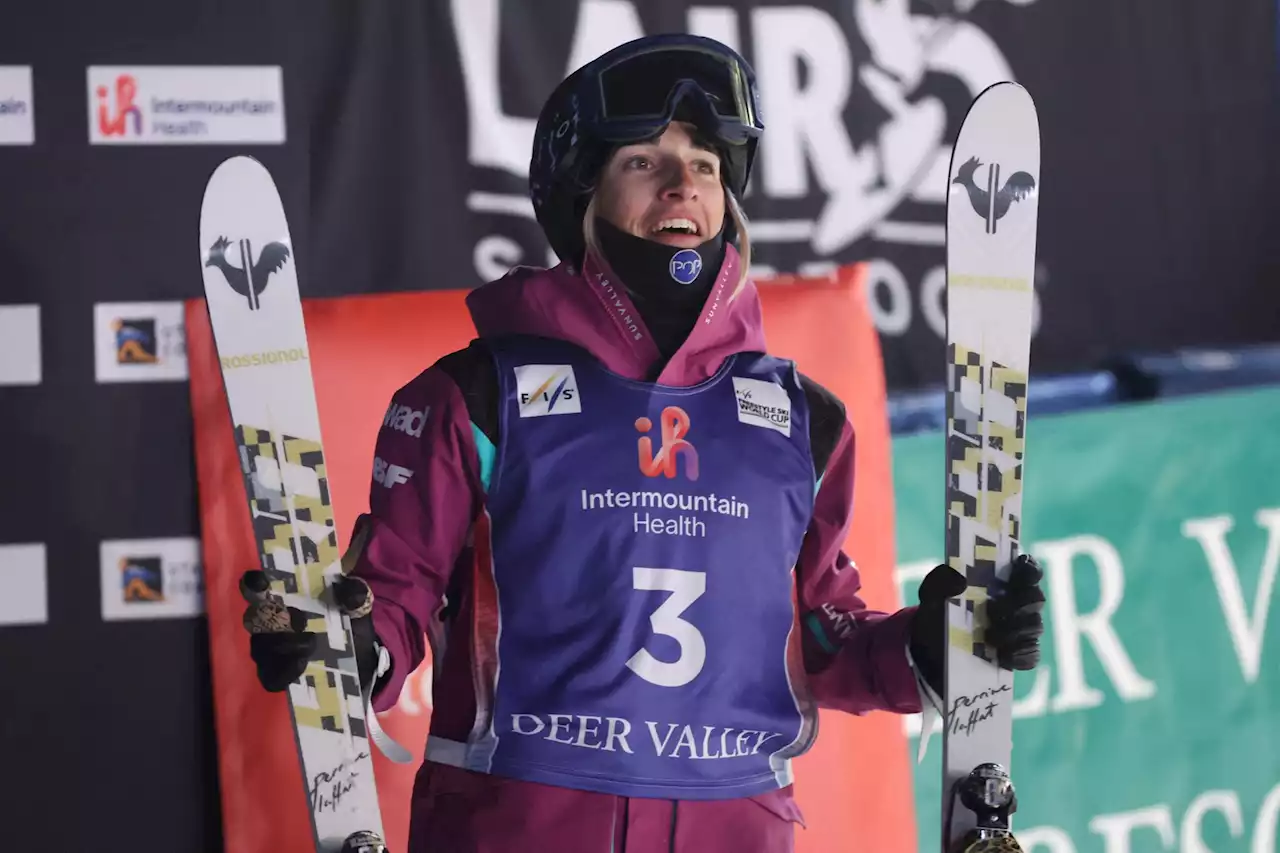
{"points": [[685, 588]]}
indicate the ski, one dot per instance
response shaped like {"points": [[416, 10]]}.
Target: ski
{"points": [[992, 210], [251, 288]]}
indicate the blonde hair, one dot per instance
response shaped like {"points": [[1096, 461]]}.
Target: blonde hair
{"points": [[733, 208], [739, 216]]}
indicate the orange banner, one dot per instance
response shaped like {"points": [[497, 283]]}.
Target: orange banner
{"points": [[854, 786]]}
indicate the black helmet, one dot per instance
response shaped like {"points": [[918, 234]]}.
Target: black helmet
{"points": [[628, 95]]}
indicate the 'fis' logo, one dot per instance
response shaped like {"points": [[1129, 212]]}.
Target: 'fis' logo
{"points": [[250, 278], [675, 426], [387, 475], [406, 420], [547, 389], [113, 121]]}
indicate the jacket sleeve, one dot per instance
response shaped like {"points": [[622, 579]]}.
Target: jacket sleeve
{"points": [[856, 658], [424, 494]]}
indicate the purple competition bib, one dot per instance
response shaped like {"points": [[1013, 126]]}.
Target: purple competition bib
{"points": [[643, 543]]}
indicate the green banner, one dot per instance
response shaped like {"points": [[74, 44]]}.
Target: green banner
{"points": [[1153, 722]]}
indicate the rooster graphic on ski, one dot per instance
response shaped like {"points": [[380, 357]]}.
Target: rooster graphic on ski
{"points": [[991, 203], [250, 278]]}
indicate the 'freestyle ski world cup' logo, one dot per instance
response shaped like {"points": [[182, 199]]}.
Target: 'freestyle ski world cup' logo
{"points": [[992, 203], [685, 266], [250, 278], [675, 426]]}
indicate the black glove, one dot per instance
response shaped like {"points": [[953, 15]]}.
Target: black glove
{"points": [[278, 643], [1015, 623]]}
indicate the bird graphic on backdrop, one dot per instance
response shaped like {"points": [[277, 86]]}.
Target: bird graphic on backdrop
{"points": [[250, 279], [1017, 187]]}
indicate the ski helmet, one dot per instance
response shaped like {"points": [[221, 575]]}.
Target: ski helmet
{"points": [[628, 95]]}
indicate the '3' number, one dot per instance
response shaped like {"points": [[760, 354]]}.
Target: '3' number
{"points": [[685, 588]]}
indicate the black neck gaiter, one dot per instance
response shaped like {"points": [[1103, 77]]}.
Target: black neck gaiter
{"points": [[668, 285]]}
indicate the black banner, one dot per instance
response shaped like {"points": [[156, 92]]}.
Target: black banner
{"points": [[1158, 175]]}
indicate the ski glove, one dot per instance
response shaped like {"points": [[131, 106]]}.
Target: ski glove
{"points": [[279, 643], [1015, 625]]}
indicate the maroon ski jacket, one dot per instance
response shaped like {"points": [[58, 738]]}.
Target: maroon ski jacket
{"points": [[424, 559]]}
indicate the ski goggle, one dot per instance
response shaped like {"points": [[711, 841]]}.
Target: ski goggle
{"points": [[639, 92]]}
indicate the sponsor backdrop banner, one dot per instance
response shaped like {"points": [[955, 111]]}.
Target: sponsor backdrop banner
{"points": [[399, 135], [1151, 724]]}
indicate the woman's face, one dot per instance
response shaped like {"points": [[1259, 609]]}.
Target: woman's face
{"points": [[667, 189]]}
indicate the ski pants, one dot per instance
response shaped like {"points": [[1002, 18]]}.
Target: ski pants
{"points": [[460, 811]]}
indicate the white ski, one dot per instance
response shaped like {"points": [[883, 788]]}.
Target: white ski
{"points": [[992, 210], [251, 287]]}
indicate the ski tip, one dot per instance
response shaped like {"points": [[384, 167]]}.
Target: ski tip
{"points": [[1009, 86], [236, 164], [1006, 95], [241, 209], [1001, 123]]}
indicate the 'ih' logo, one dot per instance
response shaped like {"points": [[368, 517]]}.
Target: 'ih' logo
{"points": [[112, 122], [675, 426]]}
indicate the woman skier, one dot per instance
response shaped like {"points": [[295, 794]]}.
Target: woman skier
{"points": [[618, 519]]}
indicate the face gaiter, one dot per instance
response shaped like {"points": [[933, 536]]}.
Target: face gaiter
{"points": [[668, 284]]}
